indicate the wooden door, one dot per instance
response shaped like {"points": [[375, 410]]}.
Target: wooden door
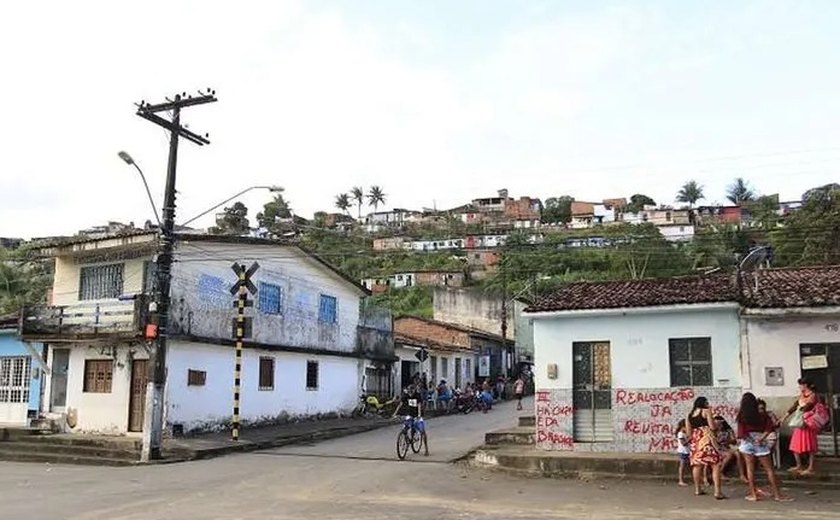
{"points": [[137, 400]]}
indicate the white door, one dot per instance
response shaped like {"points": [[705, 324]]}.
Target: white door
{"points": [[14, 389]]}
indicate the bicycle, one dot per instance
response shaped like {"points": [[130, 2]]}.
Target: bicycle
{"points": [[410, 437]]}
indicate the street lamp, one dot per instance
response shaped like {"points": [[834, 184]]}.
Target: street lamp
{"points": [[130, 161], [272, 189]]}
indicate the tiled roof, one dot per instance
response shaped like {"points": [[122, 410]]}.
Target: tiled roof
{"points": [[454, 326], [775, 288], [792, 287], [405, 339], [638, 293]]}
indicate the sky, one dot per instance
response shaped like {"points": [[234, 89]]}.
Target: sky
{"points": [[436, 101]]}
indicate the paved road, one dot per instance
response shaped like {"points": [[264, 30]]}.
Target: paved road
{"points": [[357, 477]]}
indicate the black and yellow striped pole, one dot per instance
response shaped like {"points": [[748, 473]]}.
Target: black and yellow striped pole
{"points": [[241, 331]]}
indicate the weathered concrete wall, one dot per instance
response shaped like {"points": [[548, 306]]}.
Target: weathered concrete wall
{"points": [[523, 331], [644, 419], [209, 407], [203, 306], [99, 412], [774, 343], [473, 309]]}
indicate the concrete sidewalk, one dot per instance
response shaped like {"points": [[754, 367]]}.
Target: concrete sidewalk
{"points": [[219, 443], [527, 460]]}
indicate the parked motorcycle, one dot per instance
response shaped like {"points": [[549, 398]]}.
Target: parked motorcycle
{"points": [[371, 405], [465, 402]]}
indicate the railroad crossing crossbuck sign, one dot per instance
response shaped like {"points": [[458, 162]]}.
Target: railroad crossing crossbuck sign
{"points": [[241, 330]]}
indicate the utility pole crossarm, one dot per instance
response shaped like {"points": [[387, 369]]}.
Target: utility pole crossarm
{"points": [[183, 132], [179, 102]]}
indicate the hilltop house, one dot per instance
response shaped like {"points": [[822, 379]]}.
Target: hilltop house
{"points": [[310, 347], [589, 214], [618, 363]]}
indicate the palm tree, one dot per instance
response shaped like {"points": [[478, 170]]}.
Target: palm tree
{"points": [[690, 193], [342, 202], [740, 192], [358, 196], [376, 197]]}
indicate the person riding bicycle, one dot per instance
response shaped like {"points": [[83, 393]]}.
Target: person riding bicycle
{"points": [[412, 402]]}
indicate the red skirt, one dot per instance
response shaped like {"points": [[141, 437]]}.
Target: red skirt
{"points": [[703, 449], [804, 440]]}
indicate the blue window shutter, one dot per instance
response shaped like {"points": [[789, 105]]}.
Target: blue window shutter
{"points": [[328, 309]]}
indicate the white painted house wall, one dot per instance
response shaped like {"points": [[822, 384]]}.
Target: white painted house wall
{"points": [[638, 343], [206, 407], [643, 405], [203, 305], [773, 342], [98, 412]]}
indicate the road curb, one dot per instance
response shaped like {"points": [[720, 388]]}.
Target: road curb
{"points": [[186, 455]]}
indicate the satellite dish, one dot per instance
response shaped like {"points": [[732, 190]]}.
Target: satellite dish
{"points": [[755, 258]]}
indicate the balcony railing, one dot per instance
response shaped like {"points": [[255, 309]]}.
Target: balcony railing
{"points": [[85, 320]]}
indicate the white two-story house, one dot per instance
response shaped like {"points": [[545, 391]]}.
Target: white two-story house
{"points": [[311, 346]]}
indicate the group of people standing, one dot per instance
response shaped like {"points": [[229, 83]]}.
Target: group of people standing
{"points": [[706, 442]]}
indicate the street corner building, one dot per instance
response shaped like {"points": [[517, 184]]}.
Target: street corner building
{"points": [[310, 344], [21, 373], [619, 363]]}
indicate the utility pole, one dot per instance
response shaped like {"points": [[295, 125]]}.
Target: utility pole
{"points": [[505, 352], [153, 418]]}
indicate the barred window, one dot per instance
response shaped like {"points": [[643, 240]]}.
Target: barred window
{"points": [[101, 281], [311, 375], [691, 361], [270, 298], [266, 373]]}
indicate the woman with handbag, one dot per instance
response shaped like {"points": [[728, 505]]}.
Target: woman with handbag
{"points": [[705, 452], [803, 441]]}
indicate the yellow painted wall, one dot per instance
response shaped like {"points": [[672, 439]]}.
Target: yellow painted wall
{"points": [[67, 269]]}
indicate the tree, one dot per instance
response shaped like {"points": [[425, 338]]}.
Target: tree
{"points": [[638, 203], [233, 221], [740, 192], [342, 202], [821, 192], [558, 210], [277, 208], [23, 280], [357, 193], [764, 211], [376, 197], [811, 234], [690, 193]]}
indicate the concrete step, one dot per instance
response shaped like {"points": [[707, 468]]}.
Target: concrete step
{"points": [[14, 433], [62, 449], [70, 439], [530, 461], [56, 458], [521, 436], [528, 421]]}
